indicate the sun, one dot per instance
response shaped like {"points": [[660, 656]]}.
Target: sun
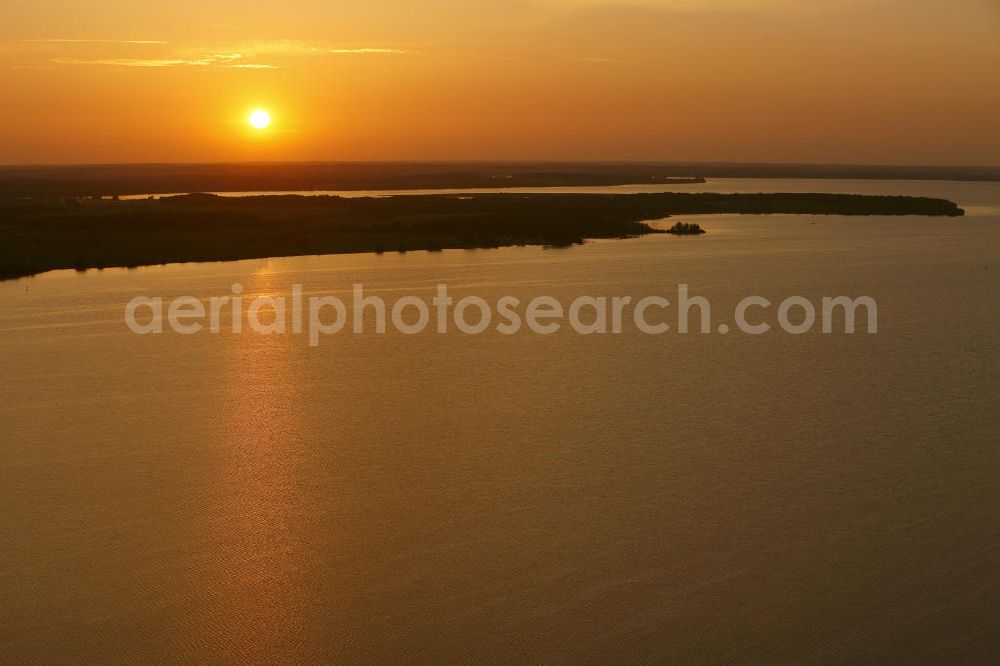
{"points": [[260, 119]]}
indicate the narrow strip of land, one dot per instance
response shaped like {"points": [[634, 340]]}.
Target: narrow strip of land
{"points": [[132, 179], [41, 234]]}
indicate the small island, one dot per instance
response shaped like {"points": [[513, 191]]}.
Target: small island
{"points": [[685, 229]]}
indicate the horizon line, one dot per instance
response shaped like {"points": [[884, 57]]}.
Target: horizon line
{"points": [[581, 162]]}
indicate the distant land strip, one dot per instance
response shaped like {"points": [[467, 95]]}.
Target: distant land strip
{"points": [[42, 234], [133, 179]]}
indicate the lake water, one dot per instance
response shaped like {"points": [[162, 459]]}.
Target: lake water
{"points": [[692, 498]]}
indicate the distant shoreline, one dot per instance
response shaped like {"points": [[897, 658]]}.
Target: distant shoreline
{"points": [[135, 179], [42, 234]]}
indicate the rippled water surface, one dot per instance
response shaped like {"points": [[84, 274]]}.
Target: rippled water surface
{"points": [[493, 498]]}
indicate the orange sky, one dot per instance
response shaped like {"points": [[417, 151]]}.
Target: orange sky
{"points": [[858, 81]]}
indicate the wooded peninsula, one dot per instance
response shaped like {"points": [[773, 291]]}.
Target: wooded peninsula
{"points": [[38, 234]]}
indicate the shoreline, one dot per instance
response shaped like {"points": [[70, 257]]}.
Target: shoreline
{"points": [[139, 179], [39, 235]]}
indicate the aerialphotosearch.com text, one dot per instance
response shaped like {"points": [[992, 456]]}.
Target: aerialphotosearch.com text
{"points": [[325, 315]]}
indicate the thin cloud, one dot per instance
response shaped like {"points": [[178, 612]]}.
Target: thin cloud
{"points": [[229, 60], [242, 56], [292, 47], [92, 41], [366, 50], [133, 62]]}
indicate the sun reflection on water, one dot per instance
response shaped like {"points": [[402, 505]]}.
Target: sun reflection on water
{"points": [[257, 589]]}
